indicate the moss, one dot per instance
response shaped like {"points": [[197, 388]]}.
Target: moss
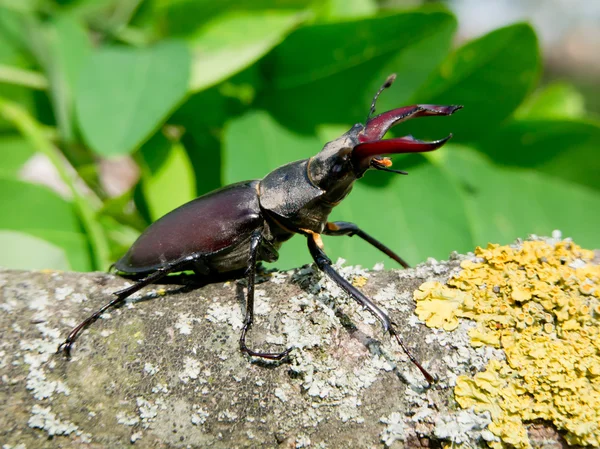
{"points": [[539, 303]]}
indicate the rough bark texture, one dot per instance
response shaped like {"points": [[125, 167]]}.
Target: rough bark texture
{"points": [[165, 369]]}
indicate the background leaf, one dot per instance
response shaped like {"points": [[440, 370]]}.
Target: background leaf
{"points": [[74, 245], [348, 62], [62, 47], [554, 101], [29, 206], [13, 47], [566, 149], [14, 152], [508, 204], [25, 252], [479, 76], [125, 94], [167, 176], [415, 215], [256, 144], [232, 42]]}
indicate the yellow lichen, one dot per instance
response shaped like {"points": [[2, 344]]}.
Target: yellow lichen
{"points": [[437, 305], [359, 281], [542, 309]]}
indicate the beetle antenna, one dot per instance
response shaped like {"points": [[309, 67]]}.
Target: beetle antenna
{"points": [[388, 82]]}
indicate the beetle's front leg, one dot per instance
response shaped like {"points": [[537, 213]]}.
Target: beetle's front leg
{"points": [[255, 245], [324, 263], [350, 229]]}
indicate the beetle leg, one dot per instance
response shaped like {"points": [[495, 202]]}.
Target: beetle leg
{"points": [[324, 263], [255, 244], [350, 229], [122, 295]]}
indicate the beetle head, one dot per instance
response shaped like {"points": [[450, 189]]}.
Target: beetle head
{"points": [[347, 158]]}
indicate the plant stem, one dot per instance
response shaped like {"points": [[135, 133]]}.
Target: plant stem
{"points": [[22, 77], [35, 133]]}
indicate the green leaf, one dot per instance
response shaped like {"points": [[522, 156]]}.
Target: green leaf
{"points": [[347, 62], [28, 206], [63, 52], [83, 203], [490, 76], [182, 17], [13, 55], [125, 94], [418, 216], [121, 236], [21, 251], [333, 48], [336, 9], [74, 245], [14, 152], [508, 204], [41, 213], [566, 149], [167, 176], [554, 101], [13, 41], [234, 41], [23, 6], [255, 144]]}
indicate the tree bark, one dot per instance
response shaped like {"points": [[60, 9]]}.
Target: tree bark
{"points": [[165, 370]]}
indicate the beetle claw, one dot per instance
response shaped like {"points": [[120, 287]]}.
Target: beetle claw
{"points": [[65, 348]]}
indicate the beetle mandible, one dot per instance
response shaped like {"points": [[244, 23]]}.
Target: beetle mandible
{"points": [[228, 231]]}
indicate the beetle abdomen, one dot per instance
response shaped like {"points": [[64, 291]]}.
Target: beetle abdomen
{"points": [[206, 225]]}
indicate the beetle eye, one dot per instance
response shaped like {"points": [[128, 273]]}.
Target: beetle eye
{"points": [[343, 153]]}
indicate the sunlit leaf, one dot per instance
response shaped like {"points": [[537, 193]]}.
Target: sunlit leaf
{"points": [[29, 206], [507, 204], [125, 94], [332, 48], [21, 251], [554, 101], [419, 216], [75, 246], [167, 176], [336, 9], [64, 47], [14, 152], [256, 144], [231, 42]]}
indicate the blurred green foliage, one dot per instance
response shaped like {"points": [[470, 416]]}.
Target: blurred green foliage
{"points": [[202, 93]]}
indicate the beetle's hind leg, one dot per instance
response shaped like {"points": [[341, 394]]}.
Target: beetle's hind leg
{"points": [[350, 229], [324, 263], [255, 245], [122, 295]]}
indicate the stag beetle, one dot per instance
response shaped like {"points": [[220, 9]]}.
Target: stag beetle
{"points": [[230, 230]]}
